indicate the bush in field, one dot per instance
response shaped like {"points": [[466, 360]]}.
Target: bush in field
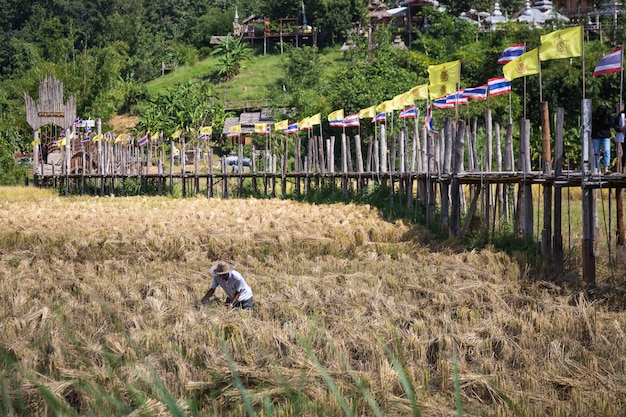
{"points": [[10, 172]]}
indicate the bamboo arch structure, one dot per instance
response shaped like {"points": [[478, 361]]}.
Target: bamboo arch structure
{"points": [[50, 110]]}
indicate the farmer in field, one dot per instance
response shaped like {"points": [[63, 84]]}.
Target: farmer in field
{"points": [[238, 293]]}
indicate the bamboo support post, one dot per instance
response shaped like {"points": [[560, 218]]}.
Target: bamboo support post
{"points": [[457, 168], [557, 239], [588, 201], [546, 233]]}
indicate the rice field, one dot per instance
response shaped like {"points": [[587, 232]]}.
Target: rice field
{"points": [[354, 315]]}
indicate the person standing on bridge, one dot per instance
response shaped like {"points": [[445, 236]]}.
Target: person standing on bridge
{"points": [[238, 293], [601, 124]]}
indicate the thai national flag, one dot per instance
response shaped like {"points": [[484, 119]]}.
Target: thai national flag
{"points": [[380, 117], [428, 120], [142, 141], [352, 120], [512, 52], [498, 86], [442, 103], [202, 136], [456, 98], [479, 93], [292, 128], [86, 137], [408, 113], [611, 62]]}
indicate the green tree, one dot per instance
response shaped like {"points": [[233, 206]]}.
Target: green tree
{"points": [[334, 18], [187, 106], [232, 52], [303, 68]]}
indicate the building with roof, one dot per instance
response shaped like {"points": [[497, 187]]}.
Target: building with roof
{"points": [[379, 13], [540, 14], [495, 18], [247, 120]]}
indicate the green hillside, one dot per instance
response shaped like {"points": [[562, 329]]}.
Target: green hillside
{"points": [[260, 76]]}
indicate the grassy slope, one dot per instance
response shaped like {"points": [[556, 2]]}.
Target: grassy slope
{"points": [[259, 78], [97, 305]]}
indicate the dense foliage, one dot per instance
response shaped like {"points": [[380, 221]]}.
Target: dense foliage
{"points": [[104, 51]]}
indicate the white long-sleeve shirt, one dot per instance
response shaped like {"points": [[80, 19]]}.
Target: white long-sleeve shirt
{"points": [[233, 285]]}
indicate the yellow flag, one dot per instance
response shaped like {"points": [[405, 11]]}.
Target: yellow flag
{"points": [[441, 90], [385, 106], [444, 73], [400, 101], [119, 138], [36, 142], [176, 134], [282, 125], [97, 138], [62, 142], [235, 129], [260, 128], [206, 130], [523, 65], [367, 113], [420, 92], [315, 119], [336, 115], [564, 43], [304, 123], [70, 135]]}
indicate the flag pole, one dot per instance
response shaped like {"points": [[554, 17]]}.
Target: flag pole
{"points": [[621, 77], [309, 135], [510, 105], [540, 89], [456, 95], [582, 43], [321, 133], [524, 99]]}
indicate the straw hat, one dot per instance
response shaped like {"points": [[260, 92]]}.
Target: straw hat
{"points": [[221, 267]]}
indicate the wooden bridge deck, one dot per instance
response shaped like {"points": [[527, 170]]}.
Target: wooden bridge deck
{"points": [[566, 179]]}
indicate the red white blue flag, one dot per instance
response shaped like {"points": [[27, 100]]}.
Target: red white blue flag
{"points": [[456, 98], [512, 52], [498, 85], [408, 113], [428, 120], [479, 93], [611, 62], [380, 117], [292, 128], [351, 120], [143, 141], [442, 103]]}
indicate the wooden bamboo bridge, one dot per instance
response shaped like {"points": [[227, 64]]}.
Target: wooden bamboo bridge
{"points": [[441, 173]]}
